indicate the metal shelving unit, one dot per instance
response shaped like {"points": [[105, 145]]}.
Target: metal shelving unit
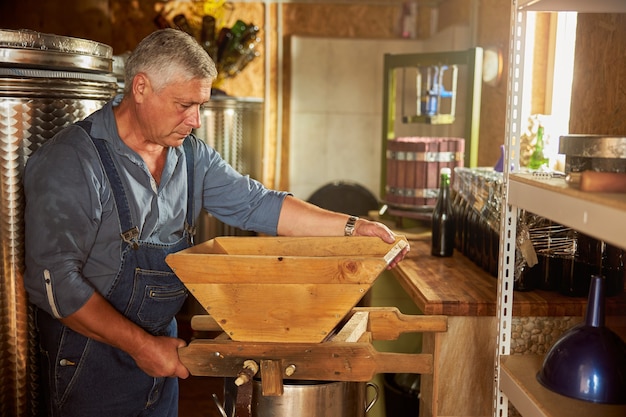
{"points": [[599, 215]]}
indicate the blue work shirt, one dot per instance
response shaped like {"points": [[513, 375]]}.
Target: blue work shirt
{"points": [[72, 231]]}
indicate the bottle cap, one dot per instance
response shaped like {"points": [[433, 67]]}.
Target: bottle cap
{"points": [[446, 171]]}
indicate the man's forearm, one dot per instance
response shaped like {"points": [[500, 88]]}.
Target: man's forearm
{"points": [[98, 320], [157, 356], [299, 218]]}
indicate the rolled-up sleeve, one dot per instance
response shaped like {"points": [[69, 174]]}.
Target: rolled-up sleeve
{"points": [[61, 215]]}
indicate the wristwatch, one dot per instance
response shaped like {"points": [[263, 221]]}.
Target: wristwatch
{"points": [[349, 229]]}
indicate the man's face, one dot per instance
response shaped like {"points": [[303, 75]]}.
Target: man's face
{"points": [[167, 116]]}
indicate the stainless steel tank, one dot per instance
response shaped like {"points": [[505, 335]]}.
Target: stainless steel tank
{"points": [[233, 127], [46, 82]]}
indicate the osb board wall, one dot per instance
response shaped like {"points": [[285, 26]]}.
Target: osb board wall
{"points": [[457, 12], [346, 20], [89, 19], [599, 86], [121, 24]]}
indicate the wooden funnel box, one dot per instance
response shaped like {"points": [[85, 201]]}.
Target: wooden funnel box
{"points": [[282, 289]]}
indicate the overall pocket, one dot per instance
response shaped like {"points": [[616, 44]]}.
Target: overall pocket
{"points": [[157, 297]]}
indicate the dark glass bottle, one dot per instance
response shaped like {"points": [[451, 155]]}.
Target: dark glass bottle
{"points": [[223, 40], [207, 36], [443, 229], [161, 22], [182, 23], [231, 56], [457, 204]]}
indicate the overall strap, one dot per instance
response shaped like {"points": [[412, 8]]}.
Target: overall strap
{"points": [[130, 233], [190, 226]]}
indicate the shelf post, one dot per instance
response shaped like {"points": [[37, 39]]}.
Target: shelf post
{"points": [[508, 227]]}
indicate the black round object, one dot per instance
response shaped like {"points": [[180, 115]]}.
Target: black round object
{"points": [[589, 361], [345, 197], [401, 400]]}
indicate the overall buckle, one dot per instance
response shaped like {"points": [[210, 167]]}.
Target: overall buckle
{"points": [[191, 233], [130, 236]]}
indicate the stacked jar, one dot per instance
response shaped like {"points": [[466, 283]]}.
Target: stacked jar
{"points": [[566, 259], [477, 205]]}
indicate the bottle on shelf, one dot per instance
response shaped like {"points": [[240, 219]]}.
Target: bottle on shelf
{"points": [[181, 22], [207, 36], [443, 225], [240, 49], [161, 21], [538, 158], [224, 38]]}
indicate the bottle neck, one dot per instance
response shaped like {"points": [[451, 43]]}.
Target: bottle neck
{"points": [[444, 181], [540, 137]]}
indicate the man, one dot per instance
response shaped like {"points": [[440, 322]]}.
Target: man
{"points": [[106, 200]]}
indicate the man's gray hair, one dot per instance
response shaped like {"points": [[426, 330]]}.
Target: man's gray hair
{"points": [[167, 55]]}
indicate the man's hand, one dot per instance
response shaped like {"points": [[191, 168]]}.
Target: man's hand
{"points": [[300, 218], [155, 355], [158, 357], [365, 227]]}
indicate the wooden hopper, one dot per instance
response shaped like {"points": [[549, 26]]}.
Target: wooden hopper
{"points": [[282, 289]]}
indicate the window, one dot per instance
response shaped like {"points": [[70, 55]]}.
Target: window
{"points": [[550, 48]]}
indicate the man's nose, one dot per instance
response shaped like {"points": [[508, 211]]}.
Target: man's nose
{"points": [[193, 119]]}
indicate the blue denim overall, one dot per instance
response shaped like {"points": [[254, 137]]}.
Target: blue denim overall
{"points": [[87, 378]]}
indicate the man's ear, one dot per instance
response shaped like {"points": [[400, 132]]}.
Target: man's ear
{"points": [[141, 86]]}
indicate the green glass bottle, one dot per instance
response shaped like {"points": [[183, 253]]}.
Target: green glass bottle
{"points": [[538, 158]]}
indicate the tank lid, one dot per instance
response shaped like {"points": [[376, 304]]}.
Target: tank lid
{"points": [[31, 49], [226, 98]]}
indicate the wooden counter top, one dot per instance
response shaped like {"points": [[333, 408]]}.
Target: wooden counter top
{"points": [[455, 286]]}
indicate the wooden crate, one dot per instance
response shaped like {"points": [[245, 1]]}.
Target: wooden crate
{"points": [[282, 289]]}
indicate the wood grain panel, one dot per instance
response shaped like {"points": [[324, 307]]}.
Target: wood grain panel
{"points": [[332, 361], [599, 85], [462, 380]]}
